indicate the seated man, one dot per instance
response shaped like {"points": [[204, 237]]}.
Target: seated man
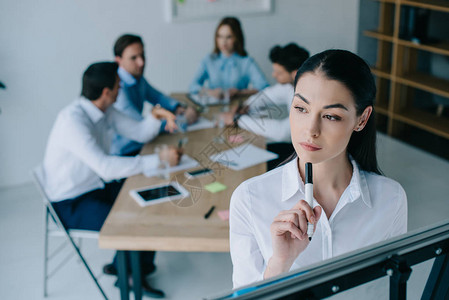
{"points": [[135, 91], [81, 178], [266, 113]]}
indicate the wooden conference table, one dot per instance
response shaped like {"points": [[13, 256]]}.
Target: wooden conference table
{"points": [[177, 225]]}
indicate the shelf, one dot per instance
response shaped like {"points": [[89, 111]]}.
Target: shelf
{"points": [[426, 82], [381, 73], [439, 48], [438, 5], [381, 110], [425, 121], [378, 35], [399, 56], [387, 1]]}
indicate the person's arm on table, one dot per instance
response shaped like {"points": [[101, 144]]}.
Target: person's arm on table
{"points": [[156, 97], [257, 78], [140, 131], [84, 145], [167, 117], [200, 77]]}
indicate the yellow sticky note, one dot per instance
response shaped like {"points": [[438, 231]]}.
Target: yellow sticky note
{"points": [[215, 187]]}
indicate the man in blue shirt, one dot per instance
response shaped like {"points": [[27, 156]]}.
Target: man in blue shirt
{"points": [[135, 90]]}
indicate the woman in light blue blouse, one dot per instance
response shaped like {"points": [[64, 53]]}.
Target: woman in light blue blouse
{"points": [[228, 68]]}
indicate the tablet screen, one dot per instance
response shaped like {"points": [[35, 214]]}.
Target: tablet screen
{"points": [[158, 193]]}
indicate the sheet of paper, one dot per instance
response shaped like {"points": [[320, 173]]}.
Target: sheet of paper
{"points": [[202, 123], [243, 157], [186, 163]]}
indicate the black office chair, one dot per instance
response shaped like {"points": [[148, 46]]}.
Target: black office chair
{"points": [[58, 229]]}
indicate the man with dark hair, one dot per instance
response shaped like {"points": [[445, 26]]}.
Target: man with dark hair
{"points": [[135, 91], [289, 58], [82, 178], [266, 113]]}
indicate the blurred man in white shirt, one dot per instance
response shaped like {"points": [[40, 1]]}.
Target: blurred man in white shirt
{"points": [[81, 178]]}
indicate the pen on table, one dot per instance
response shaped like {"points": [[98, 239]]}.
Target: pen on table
{"points": [[309, 195], [209, 212]]}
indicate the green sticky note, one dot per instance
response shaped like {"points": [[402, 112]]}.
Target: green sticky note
{"points": [[215, 187]]}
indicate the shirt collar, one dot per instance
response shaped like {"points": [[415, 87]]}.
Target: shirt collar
{"points": [[93, 112], [228, 59], [126, 77], [292, 183]]}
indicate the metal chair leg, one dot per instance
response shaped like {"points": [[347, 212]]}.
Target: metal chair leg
{"points": [[38, 175], [87, 266], [46, 212]]}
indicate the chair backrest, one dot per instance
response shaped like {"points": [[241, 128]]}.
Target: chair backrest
{"points": [[39, 178]]}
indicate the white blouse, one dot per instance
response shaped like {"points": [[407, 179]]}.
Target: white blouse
{"points": [[373, 208]]}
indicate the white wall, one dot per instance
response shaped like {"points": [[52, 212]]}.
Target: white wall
{"points": [[46, 45]]}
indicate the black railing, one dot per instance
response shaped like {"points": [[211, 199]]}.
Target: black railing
{"points": [[393, 258]]}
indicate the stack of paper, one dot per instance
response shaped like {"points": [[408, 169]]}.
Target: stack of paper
{"points": [[243, 157], [202, 123], [205, 100]]}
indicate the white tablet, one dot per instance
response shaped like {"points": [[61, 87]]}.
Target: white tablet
{"points": [[155, 194]]}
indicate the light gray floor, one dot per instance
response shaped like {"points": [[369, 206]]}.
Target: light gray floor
{"points": [[191, 275]]}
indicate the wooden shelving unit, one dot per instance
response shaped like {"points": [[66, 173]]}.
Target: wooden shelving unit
{"points": [[397, 74]]}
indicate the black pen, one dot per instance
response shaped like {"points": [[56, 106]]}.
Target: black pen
{"points": [[309, 195], [207, 215]]}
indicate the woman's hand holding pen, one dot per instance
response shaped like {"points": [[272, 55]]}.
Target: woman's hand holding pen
{"points": [[289, 236]]}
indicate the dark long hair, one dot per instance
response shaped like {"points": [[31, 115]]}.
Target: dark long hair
{"points": [[239, 44], [353, 72]]}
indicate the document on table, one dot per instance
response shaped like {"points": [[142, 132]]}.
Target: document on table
{"points": [[202, 123], [205, 100], [243, 157], [186, 163]]}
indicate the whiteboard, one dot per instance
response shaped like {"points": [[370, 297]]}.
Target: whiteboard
{"points": [[191, 10]]}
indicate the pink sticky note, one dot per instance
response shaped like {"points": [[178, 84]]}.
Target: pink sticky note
{"points": [[223, 214], [237, 138]]}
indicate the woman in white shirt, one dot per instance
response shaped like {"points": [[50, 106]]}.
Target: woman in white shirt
{"points": [[332, 126]]}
